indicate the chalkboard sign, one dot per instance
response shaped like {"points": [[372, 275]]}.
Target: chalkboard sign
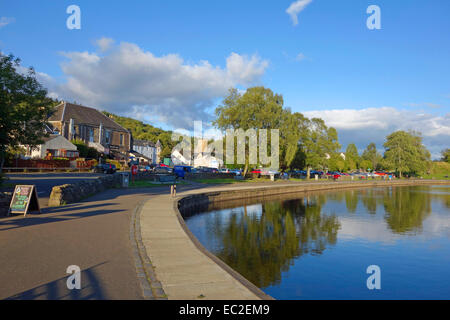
{"points": [[24, 200]]}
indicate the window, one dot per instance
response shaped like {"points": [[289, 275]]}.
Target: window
{"points": [[107, 136], [121, 139], [91, 135]]}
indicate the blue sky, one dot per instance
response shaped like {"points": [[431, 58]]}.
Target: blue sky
{"points": [[364, 82]]}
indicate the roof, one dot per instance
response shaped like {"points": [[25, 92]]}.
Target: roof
{"points": [[139, 155], [143, 143], [84, 115]]}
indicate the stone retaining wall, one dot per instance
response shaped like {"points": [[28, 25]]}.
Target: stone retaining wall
{"points": [[5, 200], [69, 193]]}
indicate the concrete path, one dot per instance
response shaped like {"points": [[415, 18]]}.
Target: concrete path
{"points": [[94, 234], [184, 271]]}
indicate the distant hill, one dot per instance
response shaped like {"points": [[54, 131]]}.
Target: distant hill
{"points": [[143, 131]]}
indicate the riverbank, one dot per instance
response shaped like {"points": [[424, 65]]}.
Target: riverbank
{"points": [[186, 270]]}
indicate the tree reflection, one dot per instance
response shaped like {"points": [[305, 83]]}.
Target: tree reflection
{"points": [[351, 200], [262, 246], [405, 209]]}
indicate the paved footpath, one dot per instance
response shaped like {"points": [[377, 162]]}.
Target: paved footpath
{"points": [[94, 234]]}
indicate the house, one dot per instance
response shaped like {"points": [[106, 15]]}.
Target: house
{"points": [[74, 121], [54, 146], [144, 150]]}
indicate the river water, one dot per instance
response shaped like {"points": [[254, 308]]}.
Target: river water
{"points": [[319, 245]]}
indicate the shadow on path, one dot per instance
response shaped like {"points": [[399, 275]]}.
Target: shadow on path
{"points": [[91, 289]]}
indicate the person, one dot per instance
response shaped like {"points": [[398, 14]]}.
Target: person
{"points": [[335, 177]]}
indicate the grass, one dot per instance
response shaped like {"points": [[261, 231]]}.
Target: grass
{"points": [[152, 184], [439, 171], [218, 181]]}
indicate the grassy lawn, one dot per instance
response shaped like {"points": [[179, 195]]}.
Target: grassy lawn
{"points": [[152, 184], [218, 181], [439, 171]]}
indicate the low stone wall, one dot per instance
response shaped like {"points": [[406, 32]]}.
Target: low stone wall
{"points": [[5, 200], [69, 193]]}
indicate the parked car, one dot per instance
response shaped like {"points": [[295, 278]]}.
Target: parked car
{"points": [[163, 170], [236, 172], [104, 168], [180, 171], [208, 170]]}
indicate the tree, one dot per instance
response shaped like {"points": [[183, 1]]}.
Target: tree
{"points": [[318, 141], [352, 158], [84, 150], [406, 153], [24, 107], [446, 155], [371, 154], [258, 108]]}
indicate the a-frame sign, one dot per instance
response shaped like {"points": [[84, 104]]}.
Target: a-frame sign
{"points": [[24, 200]]}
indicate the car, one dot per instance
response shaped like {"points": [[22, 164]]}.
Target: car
{"points": [[105, 168], [180, 171], [224, 170], [160, 169], [236, 172]]}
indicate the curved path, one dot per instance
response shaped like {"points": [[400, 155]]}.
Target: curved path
{"points": [[94, 234]]}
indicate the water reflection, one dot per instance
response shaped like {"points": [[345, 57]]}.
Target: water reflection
{"points": [[262, 245], [264, 240]]}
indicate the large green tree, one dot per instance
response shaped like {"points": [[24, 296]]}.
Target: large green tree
{"points": [[24, 107], [371, 154], [406, 153], [257, 108], [352, 158], [318, 141], [446, 155]]}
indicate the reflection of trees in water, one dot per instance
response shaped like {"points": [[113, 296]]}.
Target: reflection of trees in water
{"points": [[406, 209], [261, 247], [351, 200]]}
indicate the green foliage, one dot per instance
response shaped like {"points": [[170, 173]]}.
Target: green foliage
{"points": [[318, 141], [143, 131], [352, 158], [336, 163], [24, 107], [258, 108], [84, 150], [371, 154], [405, 153], [446, 155]]}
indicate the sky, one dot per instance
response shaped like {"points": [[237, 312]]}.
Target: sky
{"points": [[169, 63]]}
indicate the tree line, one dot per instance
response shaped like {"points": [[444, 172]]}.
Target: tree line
{"points": [[310, 143]]}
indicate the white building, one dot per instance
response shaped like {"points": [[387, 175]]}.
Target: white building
{"points": [[54, 145], [144, 148]]}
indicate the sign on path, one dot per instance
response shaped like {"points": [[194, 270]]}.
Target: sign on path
{"points": [[24, 200]]}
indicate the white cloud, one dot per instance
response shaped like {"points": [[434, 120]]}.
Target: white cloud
{"points": [[374, 124], [104, 44], [5, 21], [130, 81], [295, 8], [300, 57]]}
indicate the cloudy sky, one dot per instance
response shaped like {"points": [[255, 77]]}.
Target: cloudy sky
{"points": [[170, 63]]}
